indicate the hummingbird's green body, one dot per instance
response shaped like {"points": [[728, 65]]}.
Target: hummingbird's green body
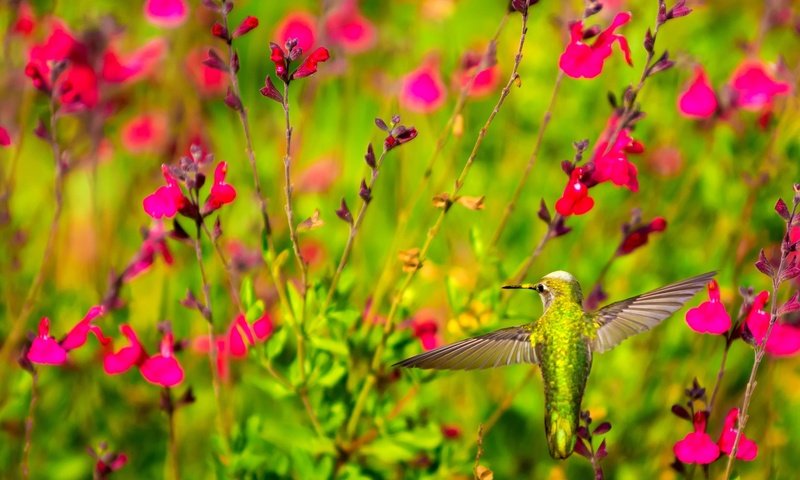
{"points": [[562, 341]]}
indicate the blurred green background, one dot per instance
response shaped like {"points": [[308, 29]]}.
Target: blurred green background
{"points": [[718, 202]]}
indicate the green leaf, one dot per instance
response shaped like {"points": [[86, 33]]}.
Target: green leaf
{"points": [[336, 347], [255, 311], [276, 343], [476, 241], [332, 376], [246, 292]]}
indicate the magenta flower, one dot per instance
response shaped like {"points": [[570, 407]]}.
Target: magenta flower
{"points": [[423, 90], [163, 368], [575, 200], [300, 26], [146, 132], [697, 446], [155, 243], [426, 331], [754, 88], [166, 13], [747, 449], [349, 29], [282, 60], [221, 193], [246, 26], [166, 200], [46, 350], [118, 68], [486, 80], [710, 316], [5, 138], [209, 81], [699, 99], [784, 340], [581, 60], [613, 164], [126, 357], [241, 335], [26, 20]]}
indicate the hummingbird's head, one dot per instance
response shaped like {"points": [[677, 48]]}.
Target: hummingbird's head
{"points": [[555, 285]]}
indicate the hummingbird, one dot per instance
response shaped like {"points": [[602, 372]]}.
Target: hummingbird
{"points": [[562, 342]]}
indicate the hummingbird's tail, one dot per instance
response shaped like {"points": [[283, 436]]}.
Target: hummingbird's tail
{"points": [[560, 432]]}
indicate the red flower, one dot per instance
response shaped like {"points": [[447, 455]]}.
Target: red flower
{"points": [[582, 60], [236, 341], [146, 132], [485, 81], [422, 90], [5, 138], [426, 331], [163, 368], [348, 28], [784, 340], [247, 24], [575, 200], [710, 316], [46, 350], [166, 13], [638, 237], [154, 243], [209, 81], [118, 68], [300, 26], [451, 431], [309, 65], [221, 192], [697, 447], [126, 357], [747, 449], [698, 100], [754, 88], [26, 20], [612, 164], [166, 200]]}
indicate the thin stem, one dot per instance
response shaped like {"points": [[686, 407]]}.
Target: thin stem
{"points": [[29, 422], [389, 323], [548, 113], [172, 444], [362, 211], [761, 348], [720, 374], [229, 270]]}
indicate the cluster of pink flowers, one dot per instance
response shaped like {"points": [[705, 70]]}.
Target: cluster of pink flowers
{"points": [[697, 447], [582, 60], [236, 341], [169, 199], [751, 87]]}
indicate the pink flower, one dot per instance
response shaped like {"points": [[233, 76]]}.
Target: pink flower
{"points": [[697, 447], [423, 90], [747, 449], [221, 192], [46, 350], [309, 65], [639, 236], [209, 81], [166, 200], [426, 330], [754, 88], [5, 138], [26, 20], [126, 357], [163, 368], [166, 13], [575, 200], [612, 164], [710, 316], [146, 132], [155, 243], [320, 175], [282, 59], [486, 80], [235, 343], [582, 60], [348, 28], [300, 26], [118, 68], [248, 24], [784, 340], [699, 99]]}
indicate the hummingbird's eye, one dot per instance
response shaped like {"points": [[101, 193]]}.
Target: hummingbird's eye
{"points": [[540, 288]]}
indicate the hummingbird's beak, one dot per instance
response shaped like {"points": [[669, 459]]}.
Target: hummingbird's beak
{"points": [[526, 286]]}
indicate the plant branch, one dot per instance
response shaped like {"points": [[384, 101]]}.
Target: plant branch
{"points": [[29, 422]]}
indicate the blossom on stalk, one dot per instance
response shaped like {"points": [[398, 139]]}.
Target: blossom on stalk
{"points": [[697, 446], [163, 368], [120, 361], [120, 68], [284, 58], [581, 60], [747, 449], [422, 90], [638, 237], [146, 132], [698, 100], [154, 243], [710, 316], [612, 164], [167, 199], [46, 350], [575, 200], [426, 330], [486, 80], [221, 192], [236, 341], [784, 339]]}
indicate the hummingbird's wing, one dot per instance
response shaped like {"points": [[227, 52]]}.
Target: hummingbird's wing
{"points": [[502, 347], [620, 320]]}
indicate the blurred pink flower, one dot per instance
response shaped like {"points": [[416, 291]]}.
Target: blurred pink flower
{"points": [[126, 357], [312, 251], [25, 21], [118, 68], [235, 343], [486, 81], [451, 431], [154, 243], [754, 88], [426, 330], [582, 60], [166, 200], [710, 316], [422, 90], [209, 81], [300, 26], [320, 175], [163, 368], [166, 13], [747, 449], [46, 350], [147, 132], [575, 200], [697, 447], [346, 27], [5, 138], [699, 99], [221, 192], [784, 340]]}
